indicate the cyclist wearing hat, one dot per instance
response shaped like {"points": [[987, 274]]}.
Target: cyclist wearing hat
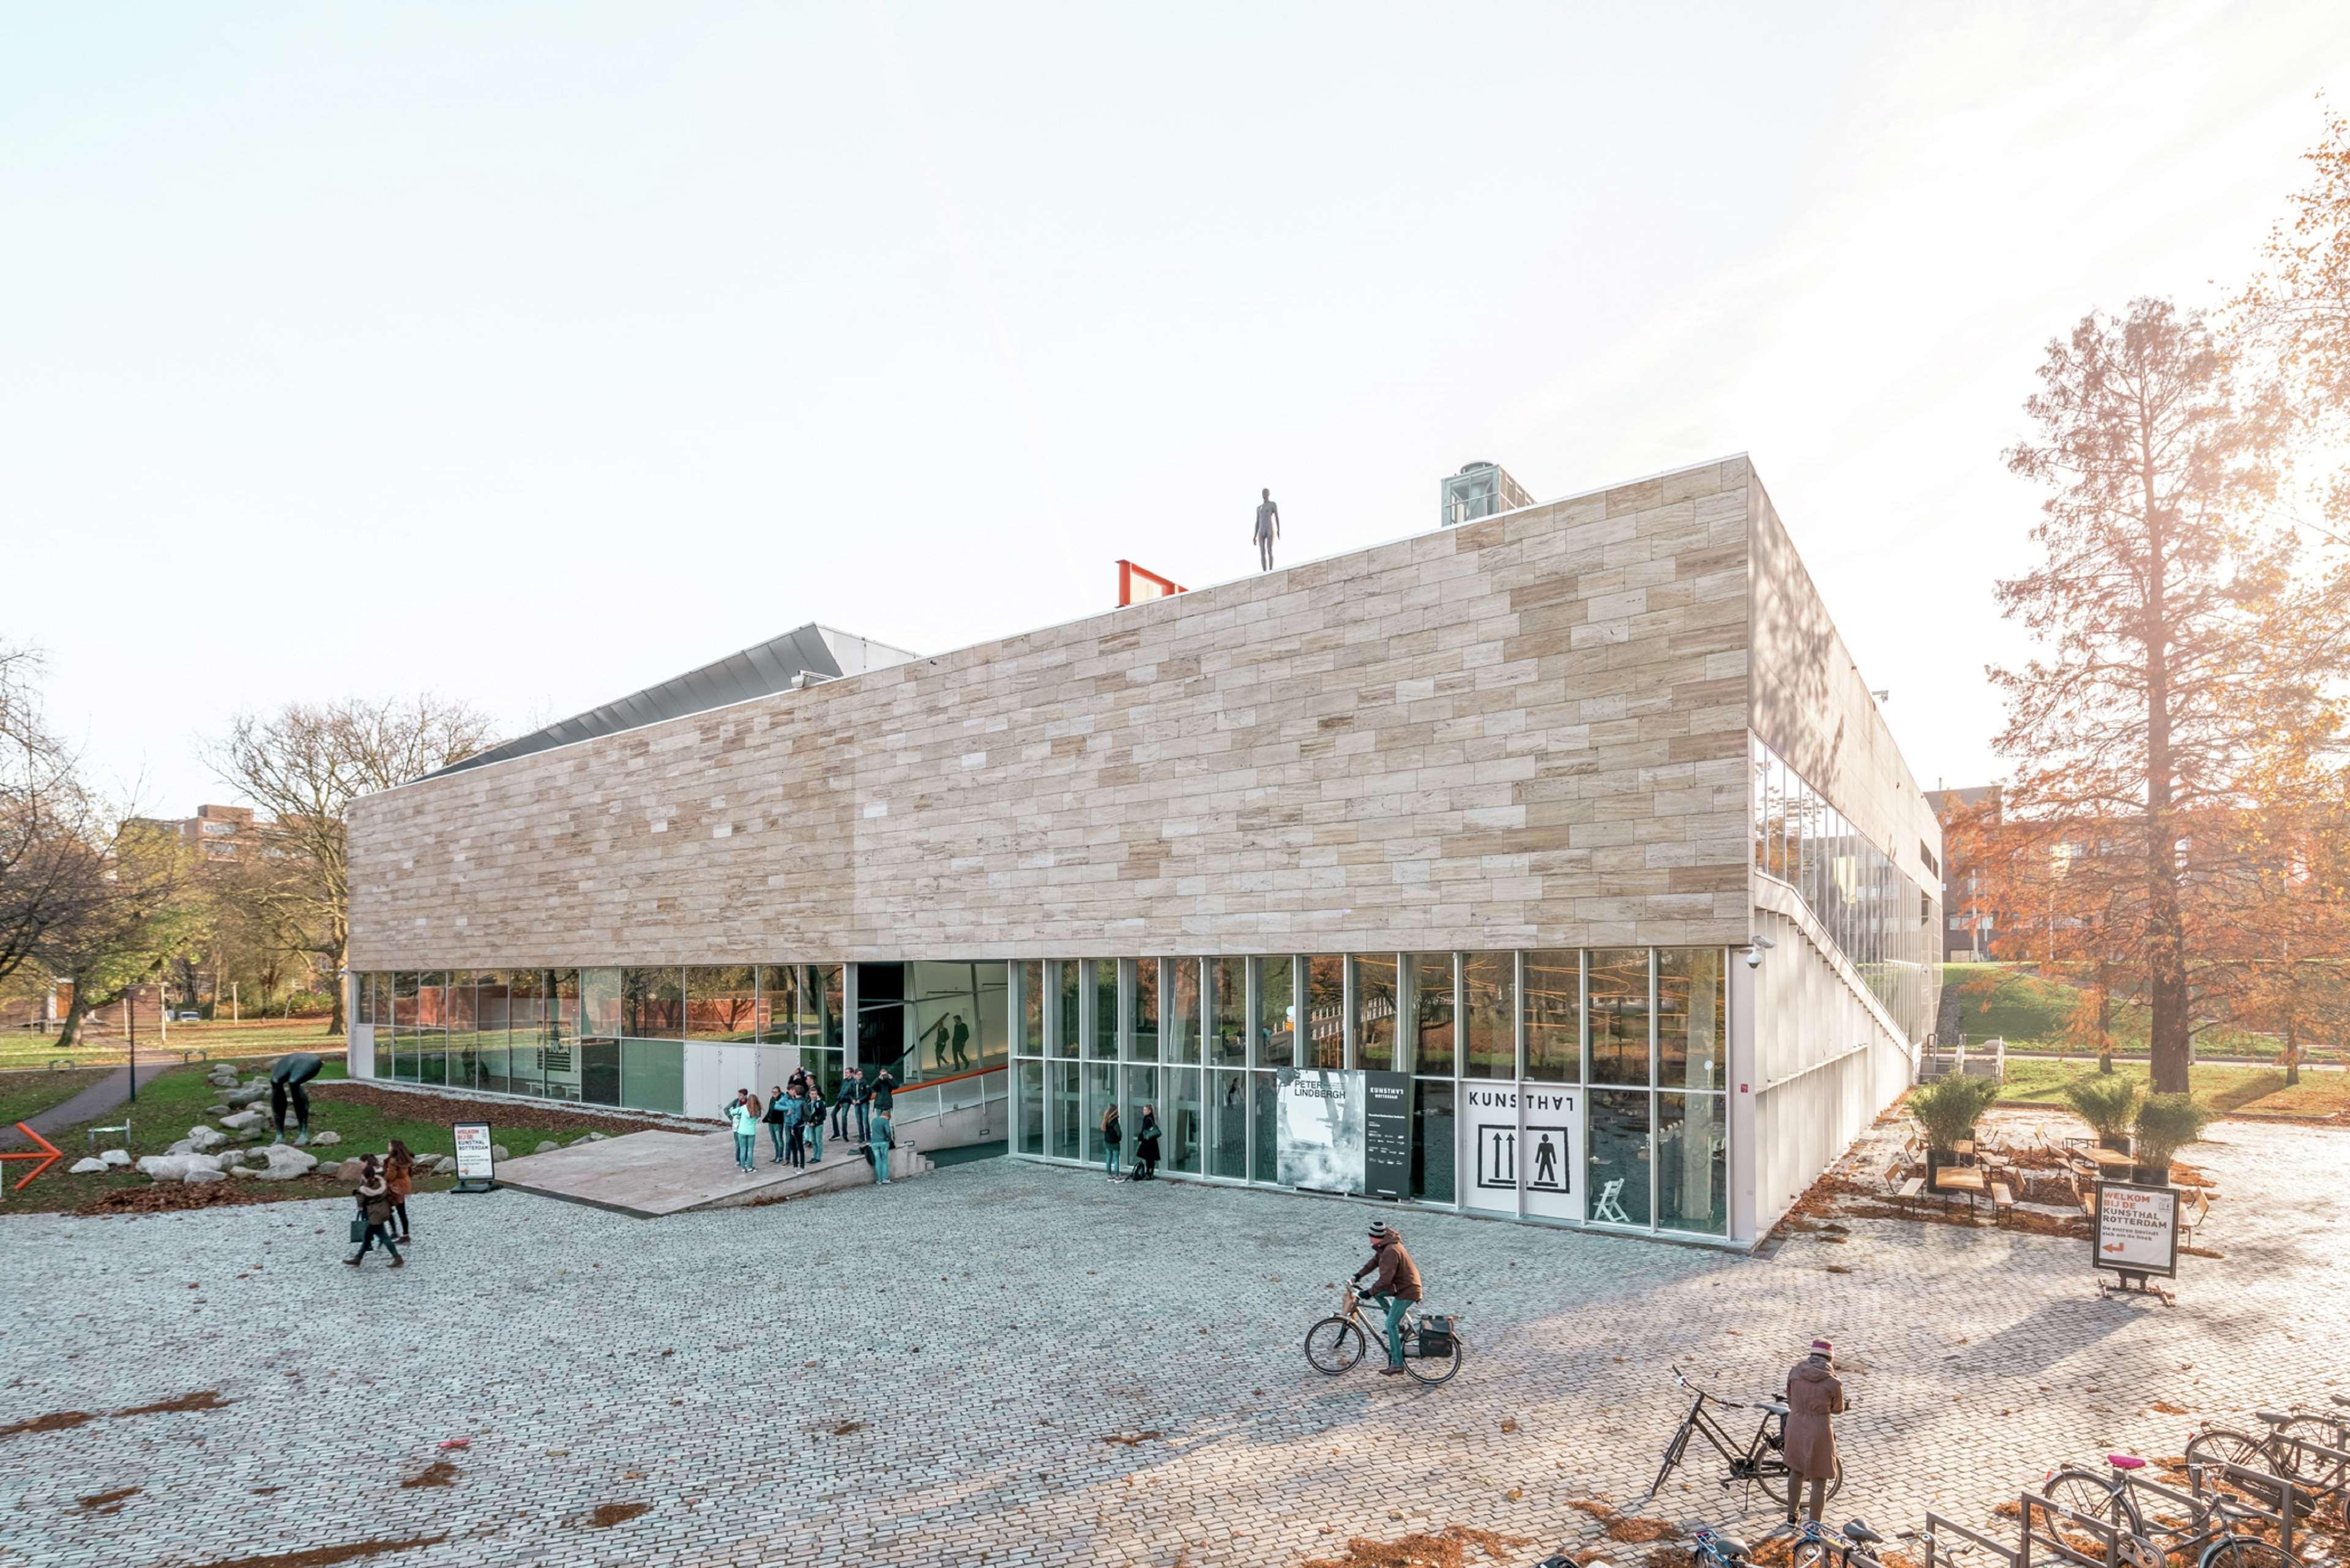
{"points": [[1394, 1286]]}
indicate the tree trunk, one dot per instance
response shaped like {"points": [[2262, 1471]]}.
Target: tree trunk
{"points": [[2105, 1020], [70, 1030], [336, 1025], [2292, 1049]]}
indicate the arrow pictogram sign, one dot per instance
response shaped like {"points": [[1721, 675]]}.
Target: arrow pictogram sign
{"points": [[48, 1155]]}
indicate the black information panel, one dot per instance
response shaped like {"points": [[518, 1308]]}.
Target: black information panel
{"points": [[1387, 1134]]}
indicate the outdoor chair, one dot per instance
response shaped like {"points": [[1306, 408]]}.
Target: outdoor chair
{"points": [[1608, 1210]]}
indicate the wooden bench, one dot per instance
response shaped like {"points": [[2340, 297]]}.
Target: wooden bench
{"points": [[2086, 1197], [2002, 1200], [2192, 1212], [1902, 1188]]}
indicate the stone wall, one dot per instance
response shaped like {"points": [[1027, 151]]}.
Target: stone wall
{"points": [[1528, 731]]}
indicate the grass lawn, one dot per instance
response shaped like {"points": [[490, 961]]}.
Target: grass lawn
{"points": [[2254, 1090], [34, 1048], [24, 1094], [2030, 1013], [366, 1118]]}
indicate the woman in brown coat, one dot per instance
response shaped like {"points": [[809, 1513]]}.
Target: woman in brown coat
{"points": [[1814, 1395], [375, 1213], [399, 1177]]}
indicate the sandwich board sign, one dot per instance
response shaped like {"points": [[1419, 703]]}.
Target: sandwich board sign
{"points": [[2137, 1231], [476, 1165]]}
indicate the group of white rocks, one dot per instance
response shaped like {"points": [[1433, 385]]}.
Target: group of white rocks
{"points": [[235, 1148]]}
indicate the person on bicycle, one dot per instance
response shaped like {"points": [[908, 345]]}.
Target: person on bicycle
{"points": [[1814, 1395], [1395, 1285]]}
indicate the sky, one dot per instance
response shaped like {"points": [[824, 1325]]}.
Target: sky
{"points": [[529, 354]]}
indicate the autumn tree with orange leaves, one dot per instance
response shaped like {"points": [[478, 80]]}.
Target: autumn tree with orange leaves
{"points": [[2187, 679]]}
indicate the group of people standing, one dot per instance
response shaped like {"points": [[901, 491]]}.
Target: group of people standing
{"points": [[793, 1115], [1146, 1144]]}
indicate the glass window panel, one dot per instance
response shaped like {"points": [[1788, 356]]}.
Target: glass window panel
{"points": [[1276, 1011], [721, 1002], [1184, 1012], [558, 1038], [1228, 1011], [1068, 1111], [1181, 1148], [1068, 1004], [600, 1003], [1102, 1022], [824, 1065], [432, 1027], [1692, 1020], [823, 1006], [1616, 997], [1429, 1049], [1619, 1176], [1554, 1016], [1032, 1009], [466, 1028], [1142, 1018], [1693, 1164], [1101, 1089], [599, 1072], [1489, 990], [960, 1018], [776, 1023], [884, 1036], [1375, 1010], [652, 1075], [1228, 1124], [1325, 1010], [1433, 1141], [493, 1021], [652, 1003], [1032, 1108], [1264, 1161], [1142, 1089], [403, 999]]}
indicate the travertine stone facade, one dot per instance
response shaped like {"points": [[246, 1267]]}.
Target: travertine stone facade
{"points": [[1528, 731]]}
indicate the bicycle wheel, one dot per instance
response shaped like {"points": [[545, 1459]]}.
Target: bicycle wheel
{"points": [[1332, 1346], [2090, 1495], [2221, 1446], [1434, 1369], [1811, 1554], [2304, 1466], [2245, 1552], [1786, 1488]]}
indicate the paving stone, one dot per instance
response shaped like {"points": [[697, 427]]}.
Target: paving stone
{"points": [[979, 1336]]}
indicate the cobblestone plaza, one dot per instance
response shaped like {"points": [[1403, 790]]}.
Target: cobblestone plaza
{"points": [[1014, 1363]]}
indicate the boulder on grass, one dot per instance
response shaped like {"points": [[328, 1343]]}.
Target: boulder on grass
{"points": [[326, 1140], [200, 1174], [117, 1158], [546, 1146], [249, 1119], [203, 1139], [286, 1162], [216, 1110], [87, 1167], [240, 1098], [165, 1166], [351, 1169], [498, 1151], [444, 1165]]}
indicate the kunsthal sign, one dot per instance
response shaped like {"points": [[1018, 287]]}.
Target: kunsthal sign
{"points": [[1519, 1145], [2137, 1232]]}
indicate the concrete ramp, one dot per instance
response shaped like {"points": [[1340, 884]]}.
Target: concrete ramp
{"points": [[650, 1174]]}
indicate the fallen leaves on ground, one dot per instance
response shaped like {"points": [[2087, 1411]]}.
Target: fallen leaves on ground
{"points": [[608, 1514], [329, 1556], [439, 1472], [107, 1501], [2164, 1407], [1130, 1439], [1448, 1548], [1637, 1532]]}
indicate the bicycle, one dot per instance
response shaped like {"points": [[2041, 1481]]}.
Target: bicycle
{"points": [[1335, 1343], [2211, 1525], [1710, 1549], [1763, 1461], [2286, 1450], [1816, 1548]]}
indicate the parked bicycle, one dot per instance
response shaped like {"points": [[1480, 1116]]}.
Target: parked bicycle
{"points": [[2204, 1531], [2301, 1445], [1818, 1547], [1431, 1344], [1762, 1462], [1710, 1549]]}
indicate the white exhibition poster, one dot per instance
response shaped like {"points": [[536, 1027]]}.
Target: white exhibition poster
{"points": [[1522, 1139], [1321, 1127]]}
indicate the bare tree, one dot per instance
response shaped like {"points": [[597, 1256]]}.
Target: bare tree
{"points": [[56, 837], [128, 936], [305, 766]]}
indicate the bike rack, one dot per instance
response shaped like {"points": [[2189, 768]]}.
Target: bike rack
{"points": [[2285, 1487], [1939, 1556], [2059, 1549]]}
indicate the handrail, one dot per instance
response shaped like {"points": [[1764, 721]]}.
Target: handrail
{"points": [[949, 1079]]}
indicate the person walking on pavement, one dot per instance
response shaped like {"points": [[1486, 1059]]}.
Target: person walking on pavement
{"points": [[1113, 1133], [1814, 1396], [399, 1177], [775, 1126], [1268, 529], [374, 1200], [879, 1146], [961, 1044], [1395, 1285]]}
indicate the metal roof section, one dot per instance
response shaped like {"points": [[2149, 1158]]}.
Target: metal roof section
{"points": [[783, 663]]}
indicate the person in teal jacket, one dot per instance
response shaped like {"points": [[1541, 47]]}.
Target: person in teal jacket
{"points": [[880, 1145], [814, 1103], [795, 1130], [744, 1115]]}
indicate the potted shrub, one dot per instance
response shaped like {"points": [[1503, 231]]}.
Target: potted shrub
{"points": [[1947, 1109], [2108, 1105], [2166, 1124]]}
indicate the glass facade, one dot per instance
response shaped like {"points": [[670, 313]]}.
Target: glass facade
{"points": [[1886, 924], [1205, 1040]]}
